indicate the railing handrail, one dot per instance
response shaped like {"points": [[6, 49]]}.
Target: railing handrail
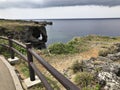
{"points": [[33, 69]]}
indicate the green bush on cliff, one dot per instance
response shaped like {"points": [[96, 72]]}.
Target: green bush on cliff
{"points": [[71, 48], [61, 48], [74, 46], [57, 48]]}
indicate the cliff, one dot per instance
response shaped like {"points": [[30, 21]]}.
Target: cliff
{"points": [[25, 31]]}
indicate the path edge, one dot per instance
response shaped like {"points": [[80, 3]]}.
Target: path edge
{"points": [[14, 76]]}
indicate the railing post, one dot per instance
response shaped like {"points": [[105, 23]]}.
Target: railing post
{"points": [[11, 45], [30, 59]]}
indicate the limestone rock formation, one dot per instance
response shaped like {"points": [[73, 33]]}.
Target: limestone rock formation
{"points": [[106, 69], [25, 31]]}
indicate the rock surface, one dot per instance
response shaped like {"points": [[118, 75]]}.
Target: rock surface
{"points": [[106, 70], [25, 31]]}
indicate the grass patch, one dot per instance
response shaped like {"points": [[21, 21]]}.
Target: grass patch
{"points": [[4, 50], [23, 69], [96, 87], [17, 25], [86, 81], [108, 50], [74, 46], [83, 79]]}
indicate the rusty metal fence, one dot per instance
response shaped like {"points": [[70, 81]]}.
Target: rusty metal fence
{"points": [[33, 68]]}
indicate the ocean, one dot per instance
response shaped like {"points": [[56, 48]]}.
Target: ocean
{"points": [[64, 30]]}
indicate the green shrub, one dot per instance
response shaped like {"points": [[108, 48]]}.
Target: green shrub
{"points": [[69, 48], [57, 48], [60, 48], [74, 46], [83, 79], [74, 41], [77, 66]]}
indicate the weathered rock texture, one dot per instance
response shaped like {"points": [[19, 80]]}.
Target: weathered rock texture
{"points": [[25, 31], [106, 69]]}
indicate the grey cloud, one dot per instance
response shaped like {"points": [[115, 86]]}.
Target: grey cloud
{"points": [[83, 2], [54, 3], [19, 5]]}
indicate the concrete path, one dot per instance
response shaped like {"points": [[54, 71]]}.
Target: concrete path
{"points": [[7, 76]]}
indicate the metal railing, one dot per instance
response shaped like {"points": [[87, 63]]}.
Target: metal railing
{"points": [[33, 68]]}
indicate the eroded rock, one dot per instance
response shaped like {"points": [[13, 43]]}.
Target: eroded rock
{"points": [[106, 70], [112, 82]]}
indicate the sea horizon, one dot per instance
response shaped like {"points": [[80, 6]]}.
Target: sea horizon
{"points": [[72, 18], [63, 30]]}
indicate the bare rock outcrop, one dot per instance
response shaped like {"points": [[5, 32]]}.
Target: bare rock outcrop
{"points": [[106, 69]]}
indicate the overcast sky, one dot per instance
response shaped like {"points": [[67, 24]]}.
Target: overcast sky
{"points": [[39, 9]]}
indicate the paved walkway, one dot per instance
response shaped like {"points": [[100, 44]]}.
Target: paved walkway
{"points": [[6, 80]]}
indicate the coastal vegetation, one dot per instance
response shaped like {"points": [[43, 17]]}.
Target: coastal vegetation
{"points": [[15, 25], [82, 44], [69, 48], [71, 58], [70, 61], [71, 54]]}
